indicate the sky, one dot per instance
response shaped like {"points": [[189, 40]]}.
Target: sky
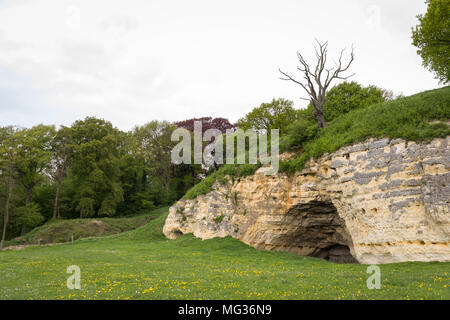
{"points": [[134, 61]]}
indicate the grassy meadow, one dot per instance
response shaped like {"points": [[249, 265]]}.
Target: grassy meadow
{"points": [[143, 264], [60, 231]]}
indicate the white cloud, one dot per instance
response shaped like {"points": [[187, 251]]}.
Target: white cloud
{"points": [[131, 62]]}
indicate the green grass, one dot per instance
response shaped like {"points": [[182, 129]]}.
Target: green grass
{"points": [[143, 264], [58, 231], [420, 117], [231, 170]]}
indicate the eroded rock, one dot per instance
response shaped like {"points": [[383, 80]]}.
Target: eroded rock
{"points": [[381, 201]]}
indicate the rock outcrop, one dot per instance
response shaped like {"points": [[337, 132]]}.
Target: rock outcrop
{"points": [[380, 201]]}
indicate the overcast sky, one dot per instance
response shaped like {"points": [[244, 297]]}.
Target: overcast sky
{"points": [[134, 61]]}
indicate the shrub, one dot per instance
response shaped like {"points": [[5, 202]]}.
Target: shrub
{"points": [[298, 133], [349, 96], [412, 118], [205, 186], [218, 219]]}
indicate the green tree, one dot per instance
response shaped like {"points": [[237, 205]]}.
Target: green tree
{"points": [[277, 114], [432, 37], [134, 176], [29, 216], [339, 100], [34, 157], [300, 131], [95, 167], [44, 196], [348, 96], [8, 161], [154, 145], [61, 148]]}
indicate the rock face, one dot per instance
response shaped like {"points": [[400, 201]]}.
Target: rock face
{"points": [[376, 202]]}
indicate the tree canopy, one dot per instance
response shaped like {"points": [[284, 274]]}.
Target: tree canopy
{"points": [[277, 114], [90, 169], [221, 124], [432, 38], [339, 100], [348, 96]]}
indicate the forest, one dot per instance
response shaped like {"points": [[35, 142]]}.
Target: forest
{"points": [[93, 169], [90, 169]]}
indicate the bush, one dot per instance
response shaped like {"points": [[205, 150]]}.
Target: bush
{"points": [[349, 96], [298, 133], [205, 186], [412, 118], [29, 216]]}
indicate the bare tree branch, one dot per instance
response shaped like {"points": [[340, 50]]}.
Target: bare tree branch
{"points": [[313, 83]]}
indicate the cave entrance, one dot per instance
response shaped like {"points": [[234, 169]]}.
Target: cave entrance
{"points": [[316, 230]]}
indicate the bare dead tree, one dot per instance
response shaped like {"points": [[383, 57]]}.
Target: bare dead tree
{"points": [[317, 82]]}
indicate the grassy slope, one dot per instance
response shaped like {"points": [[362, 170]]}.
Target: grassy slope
{"points": [[419, 117], [142, 264], [58, 231]]}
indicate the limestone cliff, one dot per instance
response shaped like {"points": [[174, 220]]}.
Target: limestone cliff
{"points": [[380, 201]]}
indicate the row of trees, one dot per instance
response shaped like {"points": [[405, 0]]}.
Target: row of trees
{"points": [[89, 169]]}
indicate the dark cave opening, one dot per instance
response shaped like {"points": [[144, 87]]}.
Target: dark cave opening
{"points": [[316, 230], [336, 253]]}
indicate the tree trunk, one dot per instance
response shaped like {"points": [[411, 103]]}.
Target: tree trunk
{"points": [[166, 185], [321, 121], [27, 203], [29, 193], [55, 205], [6, 217], [314, 85], [318, 114]]}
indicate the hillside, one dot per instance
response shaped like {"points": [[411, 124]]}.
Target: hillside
{"points": [[420, 117], [59, 231]]}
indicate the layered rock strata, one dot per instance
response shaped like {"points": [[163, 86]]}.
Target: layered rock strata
{"points": [[380, 201]]}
